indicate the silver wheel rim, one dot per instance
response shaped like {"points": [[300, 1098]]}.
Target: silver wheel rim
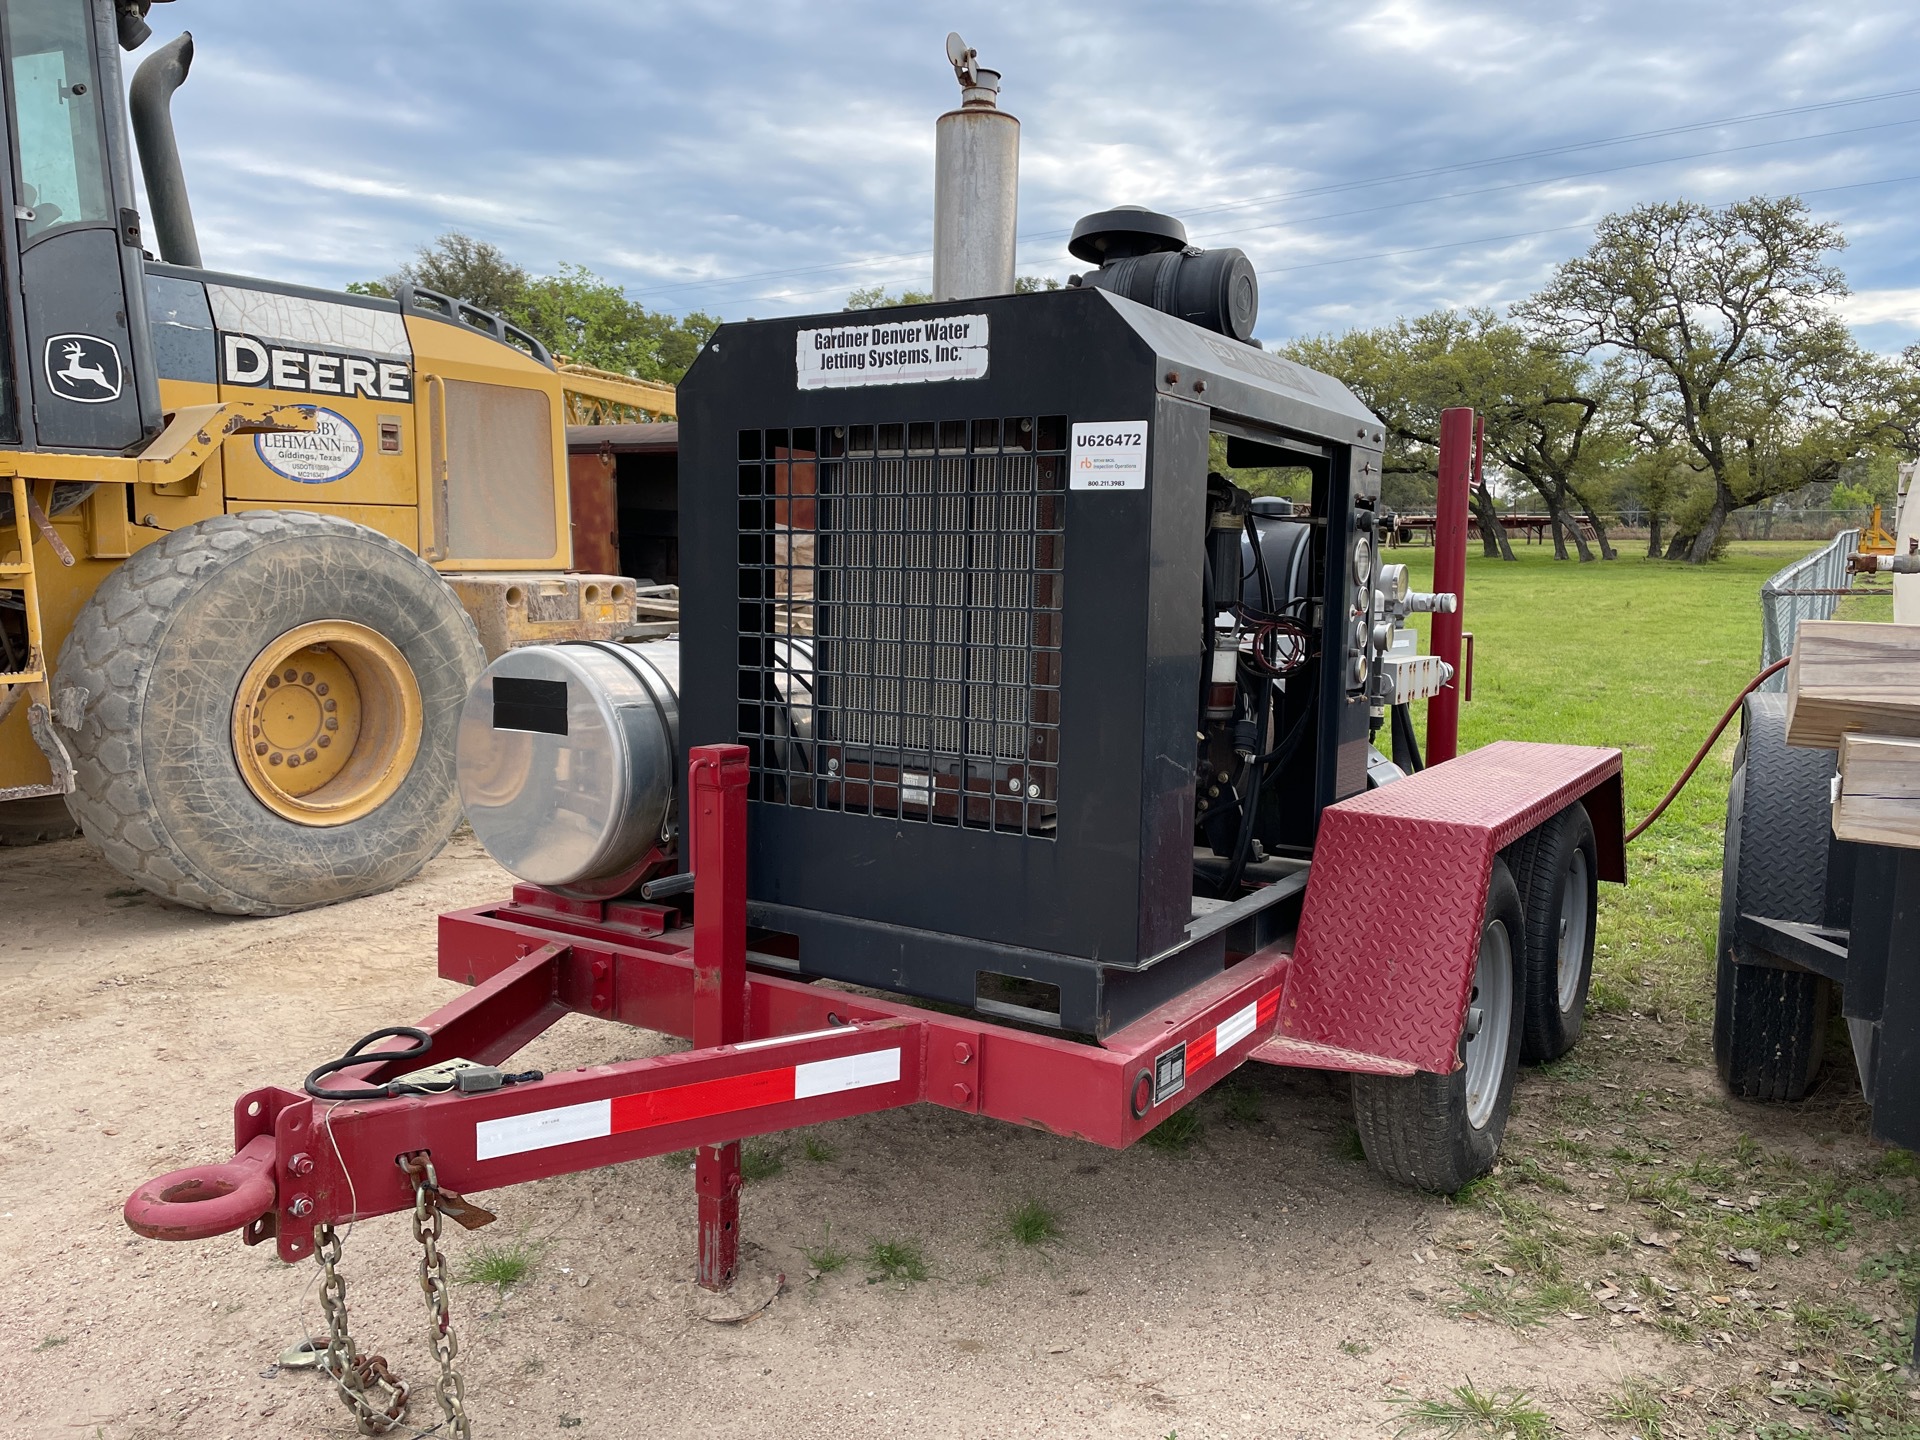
{"points": [[1573, 930], [1489, 1023]]}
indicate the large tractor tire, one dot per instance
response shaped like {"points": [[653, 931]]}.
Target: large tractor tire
{"points": [[29, 822], [267, 708], [1556, 865], [1437, 1132], [1769, 1023]]}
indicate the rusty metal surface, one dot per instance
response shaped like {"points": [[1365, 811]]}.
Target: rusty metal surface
{"points": [[1391, 923], [593, 502], [510, 609]]}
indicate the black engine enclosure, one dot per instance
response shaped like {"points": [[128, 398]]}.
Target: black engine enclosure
{"points": [[989, 780]]}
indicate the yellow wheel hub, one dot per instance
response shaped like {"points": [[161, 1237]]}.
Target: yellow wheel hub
{"points": [[326, 723]]}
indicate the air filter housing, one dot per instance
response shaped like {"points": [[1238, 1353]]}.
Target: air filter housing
{"points": [[1144, 256]]}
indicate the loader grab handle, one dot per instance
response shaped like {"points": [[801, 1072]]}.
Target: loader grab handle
{"points": [[202, 1201]]}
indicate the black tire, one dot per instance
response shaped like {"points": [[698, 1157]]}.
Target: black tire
{"points": [[160, 651], [1421, 1129], [1770, 1022], [30, 822], [1556, 867]]}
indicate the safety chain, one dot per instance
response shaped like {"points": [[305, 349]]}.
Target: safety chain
{"points": [[451, 1389], [360, 1379]]}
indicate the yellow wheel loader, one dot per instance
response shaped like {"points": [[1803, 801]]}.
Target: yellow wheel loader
{"points": [[256, 539]]}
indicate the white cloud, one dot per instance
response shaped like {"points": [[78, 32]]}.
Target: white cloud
{"points": [[748, 159], [1881, 307]]}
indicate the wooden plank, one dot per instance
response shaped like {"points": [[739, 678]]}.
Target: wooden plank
{"points": [[1878, 799], [1852, 676]]}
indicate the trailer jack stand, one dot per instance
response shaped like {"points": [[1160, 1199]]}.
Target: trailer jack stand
{"points": [[716, 1180]]}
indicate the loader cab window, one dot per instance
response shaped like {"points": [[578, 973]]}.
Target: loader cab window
{"points": [[56, 116]]}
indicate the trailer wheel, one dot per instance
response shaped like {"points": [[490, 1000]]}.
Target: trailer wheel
{"points": [[1437, 1132], [1770, 1022], [28, 822], [1556, 866], [268, 703]]}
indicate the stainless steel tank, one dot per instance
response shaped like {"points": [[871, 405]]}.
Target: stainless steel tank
{"points": [[566, 760]]}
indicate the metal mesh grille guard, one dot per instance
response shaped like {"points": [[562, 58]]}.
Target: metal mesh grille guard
{"points": [[900, 589]]}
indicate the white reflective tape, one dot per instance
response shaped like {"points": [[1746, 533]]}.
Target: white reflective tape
{"points": [[850, 1072], [1236, 1026], [789, 1039], [539, 1129]]}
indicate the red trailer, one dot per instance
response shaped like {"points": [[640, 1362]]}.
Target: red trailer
{"points": [[997, 688], [1380, 982]]}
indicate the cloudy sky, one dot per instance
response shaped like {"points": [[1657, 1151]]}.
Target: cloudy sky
{"points": [[1374, 159]]}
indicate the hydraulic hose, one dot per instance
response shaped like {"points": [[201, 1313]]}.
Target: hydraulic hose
{"points": [[1701, 754]]}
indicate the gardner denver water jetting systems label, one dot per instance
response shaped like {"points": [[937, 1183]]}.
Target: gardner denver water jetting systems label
{"points": [[894, 352]]}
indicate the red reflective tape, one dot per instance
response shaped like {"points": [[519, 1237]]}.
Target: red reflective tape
{"points": [[1231, 1031], [703, 1097], [1199, 1051], [698, 1099]]}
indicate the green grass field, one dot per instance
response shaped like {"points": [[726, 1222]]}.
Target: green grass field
{"points": [[1644, 656], [1628, 1181]]}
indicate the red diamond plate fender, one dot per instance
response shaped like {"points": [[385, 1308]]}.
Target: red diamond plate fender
{"points": [[1391, 921]]}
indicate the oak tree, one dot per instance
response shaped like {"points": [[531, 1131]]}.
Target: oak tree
{"points": [[1723, 316]]}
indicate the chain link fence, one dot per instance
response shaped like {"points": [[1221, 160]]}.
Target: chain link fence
{"points": [[1808, 589]]}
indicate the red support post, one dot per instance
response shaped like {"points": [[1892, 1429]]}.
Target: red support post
{"points": [[717, 785], [1457, 455]]}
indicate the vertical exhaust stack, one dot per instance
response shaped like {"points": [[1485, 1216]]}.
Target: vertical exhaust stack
{"points": [[976, 186], [159, 75]]}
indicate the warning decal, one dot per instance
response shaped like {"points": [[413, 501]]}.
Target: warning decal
{"points": [[1111, 455], [899, 352], [1169, 1073]]}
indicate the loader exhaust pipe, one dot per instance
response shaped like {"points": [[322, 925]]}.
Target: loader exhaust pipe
{"points": [[159, 75], [976, 186]]}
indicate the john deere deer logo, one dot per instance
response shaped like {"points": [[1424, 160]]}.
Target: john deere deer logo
{"points": [[83, 368]]}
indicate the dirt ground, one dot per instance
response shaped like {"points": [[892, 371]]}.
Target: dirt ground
{"points": [[1259, 1283]]}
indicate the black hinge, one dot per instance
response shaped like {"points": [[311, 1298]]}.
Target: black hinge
{"points": [[130, 227]]}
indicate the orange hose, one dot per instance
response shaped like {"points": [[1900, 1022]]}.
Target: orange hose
{"points": [[1701, 754]]}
